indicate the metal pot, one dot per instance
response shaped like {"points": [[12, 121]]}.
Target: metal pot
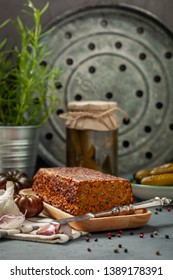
{"points": [[18, 148]]}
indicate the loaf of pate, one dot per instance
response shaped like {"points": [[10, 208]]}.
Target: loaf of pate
{"points": [[78, 190]]}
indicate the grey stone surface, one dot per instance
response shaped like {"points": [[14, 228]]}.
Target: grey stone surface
{"points": [[102, 248]]}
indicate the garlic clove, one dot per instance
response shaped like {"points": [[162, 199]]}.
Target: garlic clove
{"points": [[48, 229], [57, 227], [11, 221], [65, 229]]}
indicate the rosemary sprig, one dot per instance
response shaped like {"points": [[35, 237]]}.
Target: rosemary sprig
{"points": [[27, 88]]}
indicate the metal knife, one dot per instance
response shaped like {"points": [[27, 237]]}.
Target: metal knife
{"points": [[117, 210]]}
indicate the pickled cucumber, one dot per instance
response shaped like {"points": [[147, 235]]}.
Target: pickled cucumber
{"points": [[165, 179], [141, 174], [165, 168]]}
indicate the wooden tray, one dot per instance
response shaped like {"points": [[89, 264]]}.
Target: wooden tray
{"points": [[138, 219]]}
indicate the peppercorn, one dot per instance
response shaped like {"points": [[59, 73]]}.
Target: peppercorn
{"points": [[110, 234], [125, 250], [166, 236], [158, 253], [88, 249], [159, 209], [116, 250]]}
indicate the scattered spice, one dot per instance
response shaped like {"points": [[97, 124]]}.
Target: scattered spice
{"points": [[116, 250], [159, 209], [96, 239], [166, 236], [151, 235], [141, 235], [168, 209], [87, 239], [88, 249], [158, 253], [120, 245], [120, 231], [125, 250], [156, 212], [110, 234], [155, 232], [119, 235]]}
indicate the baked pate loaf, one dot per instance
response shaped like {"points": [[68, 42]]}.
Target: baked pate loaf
{"points": [[78, 190]]}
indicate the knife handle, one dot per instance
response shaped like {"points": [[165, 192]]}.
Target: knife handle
{"points": [[153, 202], [130, 209], [141, 205]]}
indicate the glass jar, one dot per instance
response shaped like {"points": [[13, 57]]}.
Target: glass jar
{"points": [[92, 135]]}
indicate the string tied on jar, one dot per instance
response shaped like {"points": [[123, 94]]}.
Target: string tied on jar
{"points": [[82, 114]]}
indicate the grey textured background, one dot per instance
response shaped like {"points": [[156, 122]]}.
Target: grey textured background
{"points": [[11, 8]]}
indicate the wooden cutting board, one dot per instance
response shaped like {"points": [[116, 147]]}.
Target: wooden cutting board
{"points": [[138, 219]]}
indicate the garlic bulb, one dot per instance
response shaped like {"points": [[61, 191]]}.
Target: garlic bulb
{"points": [[7, 203]]}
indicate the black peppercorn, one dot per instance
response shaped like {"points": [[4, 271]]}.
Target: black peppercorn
{"points": [[116, 250]]}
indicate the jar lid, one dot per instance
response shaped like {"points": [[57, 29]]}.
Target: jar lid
{"points": [[95, 105], [92, 115]]}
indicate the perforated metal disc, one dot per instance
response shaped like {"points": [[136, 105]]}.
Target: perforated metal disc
{"points": [[122, 54]]}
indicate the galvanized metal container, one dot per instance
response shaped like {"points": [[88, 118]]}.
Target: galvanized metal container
{"points": [[18, 148]]}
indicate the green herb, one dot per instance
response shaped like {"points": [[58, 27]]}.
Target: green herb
{"points": [[28, 95]]}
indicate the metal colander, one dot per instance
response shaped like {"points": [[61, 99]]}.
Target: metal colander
{"points": [[116, 53]]}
